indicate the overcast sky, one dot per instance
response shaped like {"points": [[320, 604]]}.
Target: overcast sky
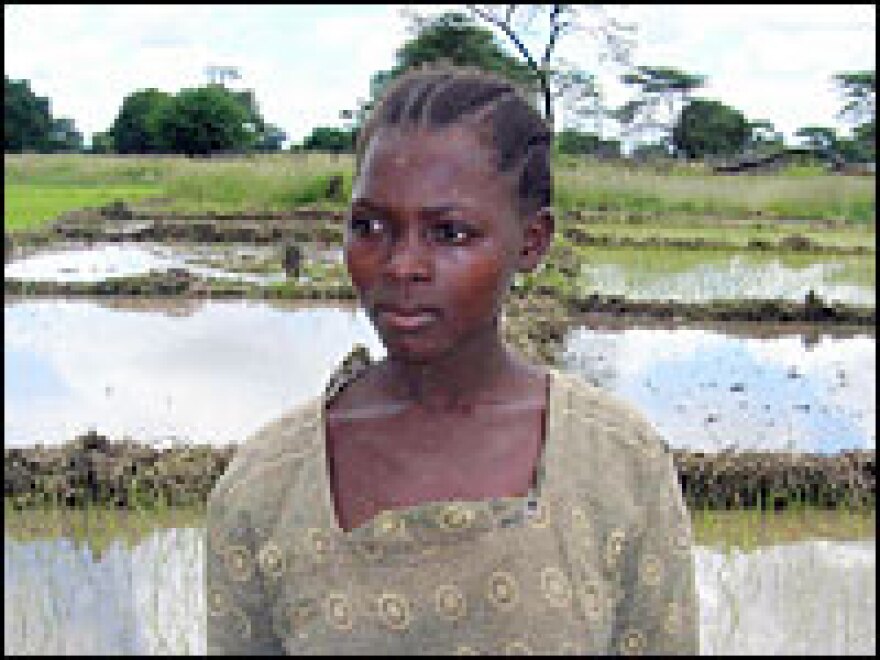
{"points": [[308, 62]]}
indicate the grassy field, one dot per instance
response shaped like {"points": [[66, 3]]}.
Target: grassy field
{"points": [[283, 181]]}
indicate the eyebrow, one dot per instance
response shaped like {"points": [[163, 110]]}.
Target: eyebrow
{"points": [[438, 209]]}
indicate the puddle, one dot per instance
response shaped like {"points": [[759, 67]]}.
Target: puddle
{"points": [[149, 599], [710, 391], [81, 263], [214, 372], [652, 274]]}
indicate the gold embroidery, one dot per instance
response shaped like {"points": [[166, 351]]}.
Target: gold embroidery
{"points": [[338, 611], [218, 603], [632, 643], [239, 564], [592, 600], [450, 602], [614, 548], [555, 586], [540, 518], [300, 613], [672, 623], [651, 570], [394, 610], [503, 591], [390, 523], [318, 542], [517, 648], [271, 560], [454, 516]]}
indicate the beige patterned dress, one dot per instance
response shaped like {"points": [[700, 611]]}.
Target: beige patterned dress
{"points": [[597, 559]]}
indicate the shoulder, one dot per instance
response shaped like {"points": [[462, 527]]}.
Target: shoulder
{"points": [[264, 464]]}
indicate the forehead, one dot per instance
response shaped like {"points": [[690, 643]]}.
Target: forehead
{"points": [[403, 167]]}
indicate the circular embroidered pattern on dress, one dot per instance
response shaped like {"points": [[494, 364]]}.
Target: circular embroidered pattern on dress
{"points": [[450, 602], [502, 590], [632, 642], [591, 595], [299, 613], [394, 610], [337, 609], [241, 624], [239, 563], [388, 523], [271, 560], [319, 542], [672, 621], [454, 517], [540, 516], [651, 570], [219, 603], [517, 648], [614, 548], [556, 587]]}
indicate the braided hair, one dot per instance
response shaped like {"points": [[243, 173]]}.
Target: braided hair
{"points": [[443, 95]]}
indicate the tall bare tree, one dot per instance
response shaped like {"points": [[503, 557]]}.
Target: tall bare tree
{"points": [[556, 77]]}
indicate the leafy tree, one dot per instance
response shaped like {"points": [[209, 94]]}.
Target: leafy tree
{"points": [[763, 135], [103, 143], [208, 119], [28, 123], [709, 128], [819, 138], [271, 138], [138, 128], [658, 86], [334, 140], [451, 37]]}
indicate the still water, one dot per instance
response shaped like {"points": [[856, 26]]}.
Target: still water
{"points": [[214, 372], [812, 597]]}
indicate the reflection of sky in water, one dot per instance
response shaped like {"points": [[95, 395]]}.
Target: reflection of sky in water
{"points": [[214, 376], [100, 262], [150, 600], [708, 391], [221, 372], [733, 278]]}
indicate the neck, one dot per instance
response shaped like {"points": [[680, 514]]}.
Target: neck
{"points": [[454, 380]]}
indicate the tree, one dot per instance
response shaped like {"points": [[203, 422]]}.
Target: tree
{"points": [[858, 89], [208, 119], [451, 37], [821, 139], [763, 135], [138, 128], [658, 86], [573, 142], [28, 123], [556, 78], [709, 128], [334, 140], [271, 138]]}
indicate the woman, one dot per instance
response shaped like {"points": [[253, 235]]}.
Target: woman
{"points": [[451, 498]]}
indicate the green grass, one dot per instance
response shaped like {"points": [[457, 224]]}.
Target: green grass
{"points": [[28, 206], [281, 181]]}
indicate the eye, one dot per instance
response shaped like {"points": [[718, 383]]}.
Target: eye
{"points": [[367, 226], [452, 232]]}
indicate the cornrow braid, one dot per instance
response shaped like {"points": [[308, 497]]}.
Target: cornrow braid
{"points": [[442, 95]]}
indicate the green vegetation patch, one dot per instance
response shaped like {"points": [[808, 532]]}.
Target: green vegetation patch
{"points": [[32, 205]]}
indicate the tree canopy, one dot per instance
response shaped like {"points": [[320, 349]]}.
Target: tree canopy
{"points": [[28, 124], [710, 128], [138, 126]]}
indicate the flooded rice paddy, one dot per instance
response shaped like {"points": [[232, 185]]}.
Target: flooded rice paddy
{"points": [[193, 372], [813, 596], [643, 274]]}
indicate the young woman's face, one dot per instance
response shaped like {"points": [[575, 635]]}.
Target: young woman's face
{"points": [[432, 240]]}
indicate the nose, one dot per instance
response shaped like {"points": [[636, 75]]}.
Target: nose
{"points": [[408, 258]]}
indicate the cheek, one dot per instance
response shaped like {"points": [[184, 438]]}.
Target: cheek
{"points": [[476, 286]]}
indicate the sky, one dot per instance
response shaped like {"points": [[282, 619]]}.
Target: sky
{"points": [[306, 63]]}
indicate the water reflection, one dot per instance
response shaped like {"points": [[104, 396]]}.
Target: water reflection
{"points": [[709, 391], [811, 597], [215, 372], [699, 276]]}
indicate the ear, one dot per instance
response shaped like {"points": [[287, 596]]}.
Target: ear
{"points": [[537, 237]]}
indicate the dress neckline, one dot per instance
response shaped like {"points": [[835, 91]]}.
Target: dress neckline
{"points": [[531, 501]]}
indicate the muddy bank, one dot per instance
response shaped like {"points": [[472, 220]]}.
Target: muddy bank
{"points": [[92, 469], [532, 301], [790, 243]]}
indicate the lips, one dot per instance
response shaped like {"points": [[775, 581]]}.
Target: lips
{"points": [[407, 319]]}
